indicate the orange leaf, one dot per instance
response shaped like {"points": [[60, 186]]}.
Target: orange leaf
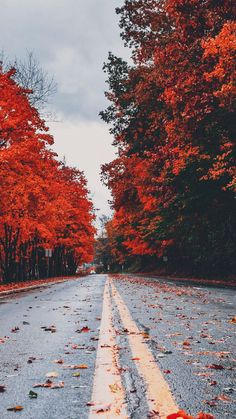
{"points": [[15, 409]]}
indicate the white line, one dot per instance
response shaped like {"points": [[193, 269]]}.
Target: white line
{"points": [[108, 396]]}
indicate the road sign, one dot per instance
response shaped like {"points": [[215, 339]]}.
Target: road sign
{"points": [[48, 253]]}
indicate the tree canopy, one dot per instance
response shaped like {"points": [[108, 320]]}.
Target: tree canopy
{"points": [[172, 114], [44, 204]]}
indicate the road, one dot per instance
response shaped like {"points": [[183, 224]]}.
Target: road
{"points": [[118, 346]]}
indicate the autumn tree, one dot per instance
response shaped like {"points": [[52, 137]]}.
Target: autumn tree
{"points": [[172, 114], [103, 255], [108, 254], [43, 203], [30, 75]]}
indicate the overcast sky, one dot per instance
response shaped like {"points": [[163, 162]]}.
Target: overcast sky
{"points": [[71, 39]]}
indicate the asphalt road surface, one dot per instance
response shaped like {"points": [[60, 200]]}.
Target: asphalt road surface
{"points": [[118, 346]]}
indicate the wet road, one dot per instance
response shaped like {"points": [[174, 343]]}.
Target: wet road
{"points": [[162, 346]]}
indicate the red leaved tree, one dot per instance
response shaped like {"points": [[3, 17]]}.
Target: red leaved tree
{"points": [[173, 114]]}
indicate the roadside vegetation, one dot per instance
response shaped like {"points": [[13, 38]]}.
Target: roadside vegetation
{"points": [[172, 115], [46, 215]]}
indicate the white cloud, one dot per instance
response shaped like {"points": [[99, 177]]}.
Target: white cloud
{"points": [[86, 145]]}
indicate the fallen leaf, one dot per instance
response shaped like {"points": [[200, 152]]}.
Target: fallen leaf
{"points": [[76, 374], [52, 374], [33, 395], [15, 408], [229, 390], [59, 361], [31, 359], [51, 329], [76, 367], [233, 320], [181, 414], [186, 343], [211, 403], [60, 384], [223, 398], [145, 335], [50, 384], [15, 329], [102, 408], [84, 329], [213, 383], [203, 374], [153, 414], [77, 347], [114, 388], [215, 367]]}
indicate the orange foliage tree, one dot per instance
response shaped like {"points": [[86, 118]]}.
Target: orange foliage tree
{"points": [[173, 113], [43, 203]]}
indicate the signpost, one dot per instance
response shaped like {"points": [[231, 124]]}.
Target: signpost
{"points": [[48, 254]]}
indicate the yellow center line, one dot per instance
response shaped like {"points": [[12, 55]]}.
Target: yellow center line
{"points": [[159, 396], [108, 397]]}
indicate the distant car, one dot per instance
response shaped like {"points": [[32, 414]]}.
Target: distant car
{"points": [[92, 271]]}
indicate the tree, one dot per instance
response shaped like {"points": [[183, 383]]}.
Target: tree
{"points": [[43, 203], [107, 255], [29, 74], [172, 113]]}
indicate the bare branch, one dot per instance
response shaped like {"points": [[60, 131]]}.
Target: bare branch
{"points": [[31, 76]]}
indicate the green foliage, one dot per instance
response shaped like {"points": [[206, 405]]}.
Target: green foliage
{"points": [[172, 113]]}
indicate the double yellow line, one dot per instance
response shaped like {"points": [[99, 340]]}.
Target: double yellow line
{"points": [[108, 392]]}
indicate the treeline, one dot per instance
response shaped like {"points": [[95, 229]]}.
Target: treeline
{"points": [[172, 113], [45, 208]]}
